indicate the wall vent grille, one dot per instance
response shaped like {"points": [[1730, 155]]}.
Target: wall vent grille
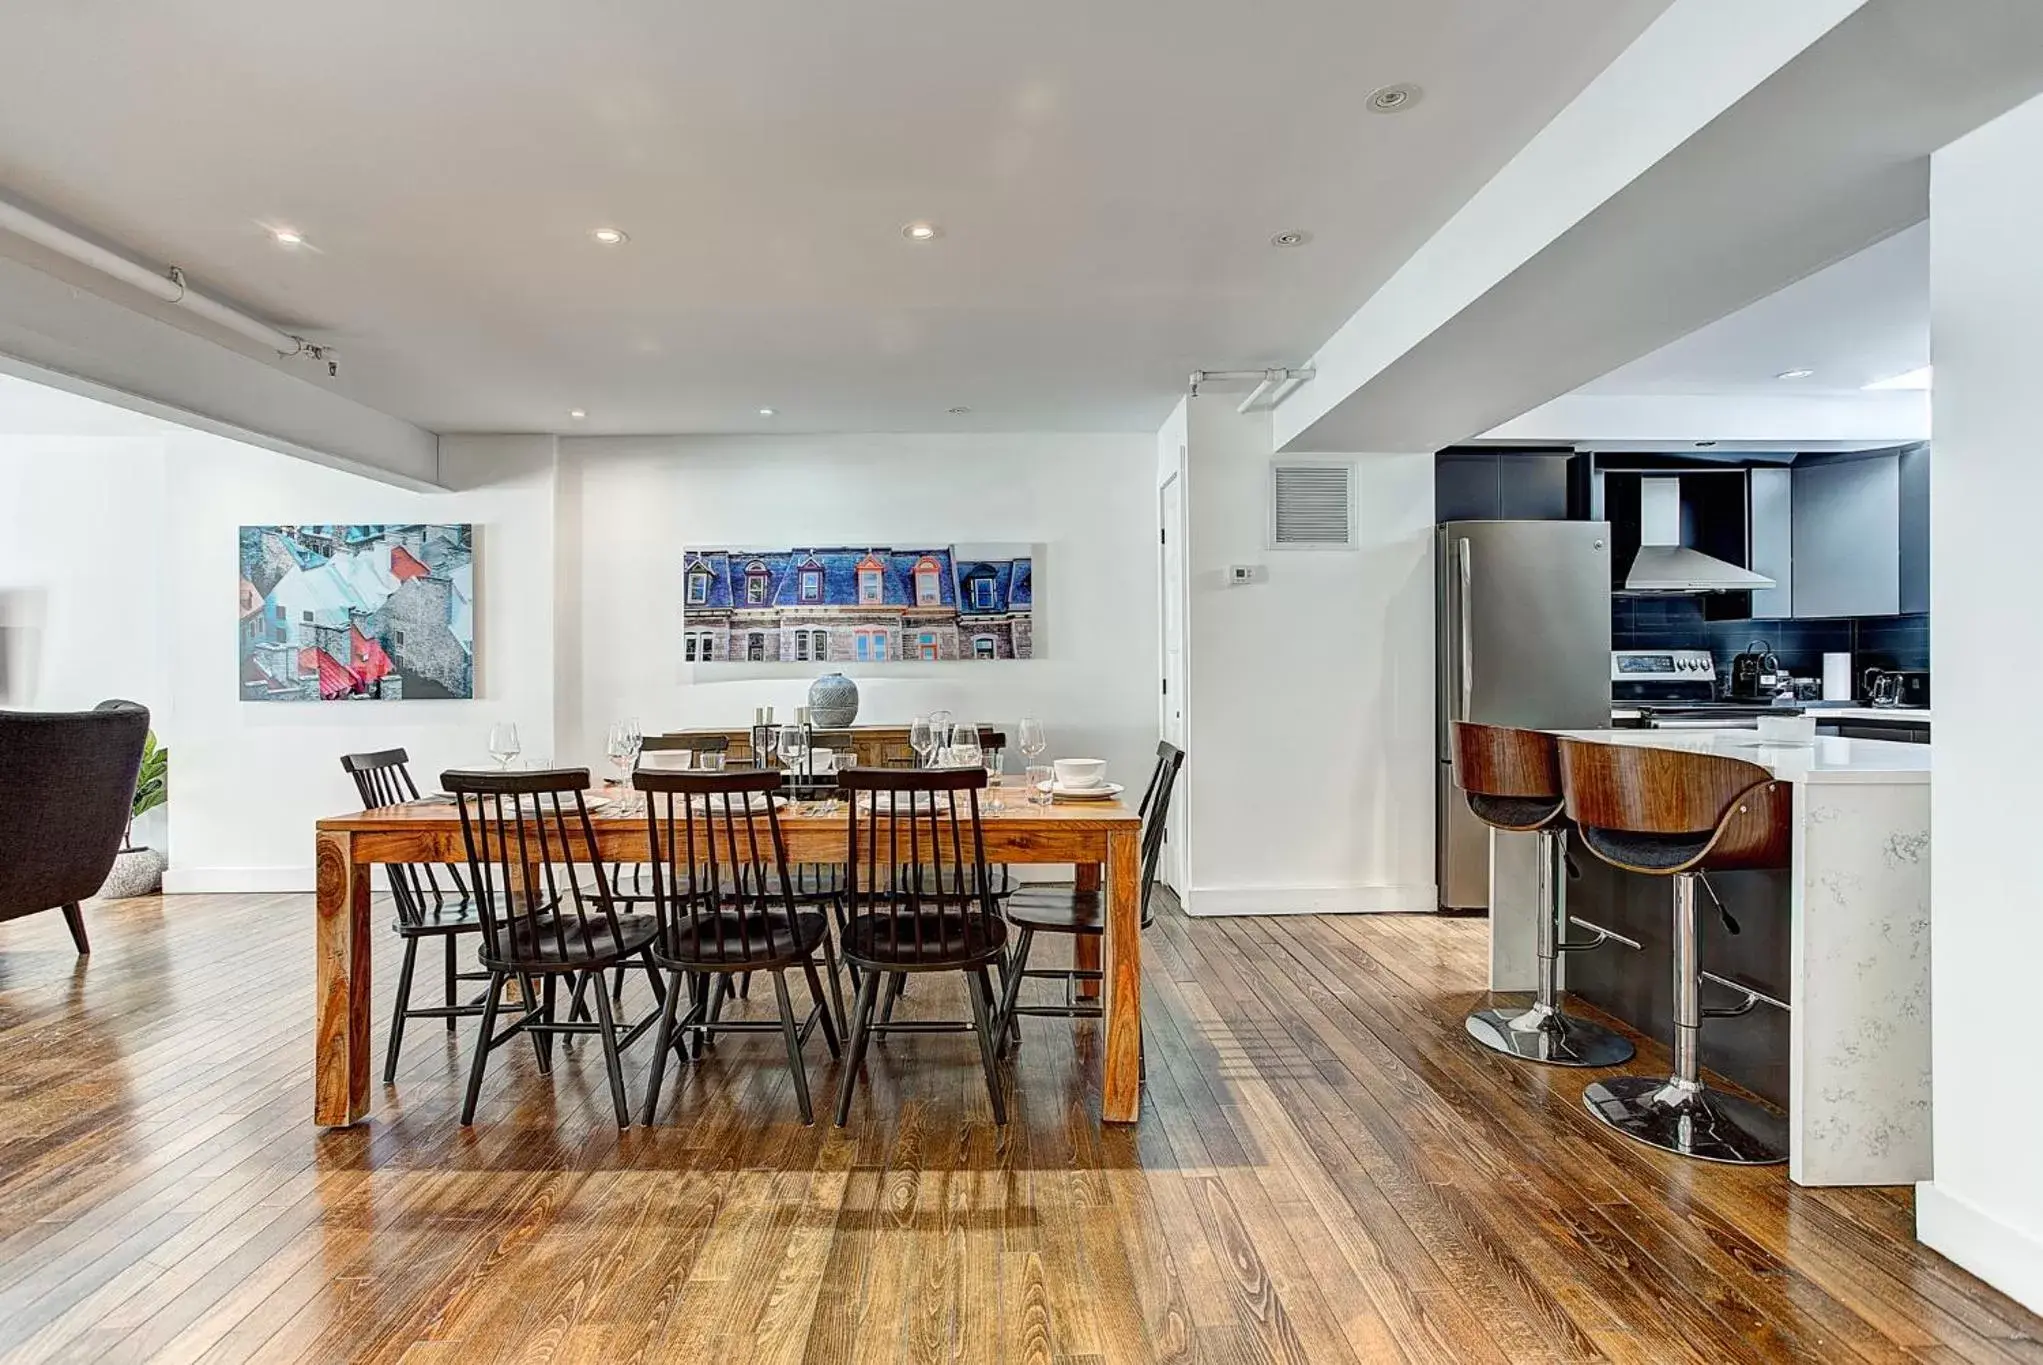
{"points": [[1311, 506]]}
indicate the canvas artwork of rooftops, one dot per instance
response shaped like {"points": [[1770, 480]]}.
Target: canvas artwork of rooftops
{"points": [[334, 612], [858, 603]]}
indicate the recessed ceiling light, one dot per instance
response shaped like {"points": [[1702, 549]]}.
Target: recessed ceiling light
{"points": [[1704, 445], [767, 412], [610, 236], [921, 232], [1794, 374], [577, 414], [288, 236], [1914, 379], [1394, 99], [1295, 237], [959, 411]]}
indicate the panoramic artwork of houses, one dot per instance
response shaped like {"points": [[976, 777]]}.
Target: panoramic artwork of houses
{"points": [[357, 613], [858, 603]]}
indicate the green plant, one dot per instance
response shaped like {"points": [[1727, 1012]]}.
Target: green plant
{"points": [[152, 783]]}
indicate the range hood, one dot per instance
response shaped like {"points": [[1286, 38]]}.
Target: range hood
{"points": [[1665, 564]]}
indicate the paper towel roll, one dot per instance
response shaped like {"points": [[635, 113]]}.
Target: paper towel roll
{"points": [[1837, 677]]}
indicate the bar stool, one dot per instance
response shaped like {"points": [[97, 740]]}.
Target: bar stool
{"points": [[1668, 813], [1512, 779]]}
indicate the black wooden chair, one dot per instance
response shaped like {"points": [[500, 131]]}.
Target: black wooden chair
{"points": [[1063, 910], [529, 840], [918, 902], [727, 907], [67, 784], [431, 902]]}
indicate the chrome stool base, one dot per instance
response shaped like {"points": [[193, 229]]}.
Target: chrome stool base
{"points": [[1543, 1034], [1690, 1120]]}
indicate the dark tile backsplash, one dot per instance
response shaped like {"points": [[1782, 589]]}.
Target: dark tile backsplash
{"points": [[1676, 622]]}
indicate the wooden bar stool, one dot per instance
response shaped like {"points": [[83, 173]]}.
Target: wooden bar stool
{"points": [[1512, 779], [1666, 813]]}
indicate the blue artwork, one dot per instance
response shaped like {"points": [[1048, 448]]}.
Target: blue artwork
{"points": [[858, 603]]}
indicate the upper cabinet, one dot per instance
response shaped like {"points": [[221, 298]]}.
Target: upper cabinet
{"points": [[1843, 536], [1492, 485]]}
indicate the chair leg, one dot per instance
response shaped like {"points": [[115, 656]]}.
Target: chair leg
{"points": [[792, 1032], [411, 957], [489, 1028], [74, 920], [669, 1007], [549, 1002], [533, 1001], [453, 982], [653, 976], [744, 985], [607, 1031], [897, 984], [836, 990], [1010, 1031], [861, 1034], [981, 992], [822, 1007]]}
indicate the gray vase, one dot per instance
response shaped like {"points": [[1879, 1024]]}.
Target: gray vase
{"points": [[833, 701]]}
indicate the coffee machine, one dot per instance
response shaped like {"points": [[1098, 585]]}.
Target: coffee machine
{"points": [[1755, 674]]}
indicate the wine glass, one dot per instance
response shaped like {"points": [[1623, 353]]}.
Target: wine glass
{"points": [[503, 743], [1031, 739], [794, 742], [965, 750], [623, 748], [922, 739]]}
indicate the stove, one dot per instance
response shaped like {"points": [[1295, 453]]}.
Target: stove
{"points": [[1676, 689]]}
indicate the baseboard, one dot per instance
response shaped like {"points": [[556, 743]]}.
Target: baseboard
{"points": [[188, 881], [1309, 900], [2008, 1258]]}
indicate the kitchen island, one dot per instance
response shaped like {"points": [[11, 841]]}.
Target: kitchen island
{"points": [[1842, 935]]}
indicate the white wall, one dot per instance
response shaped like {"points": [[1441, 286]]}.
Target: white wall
{"points": [[1984, 1209], [630, 505], [248, 780], [1311, 694]]}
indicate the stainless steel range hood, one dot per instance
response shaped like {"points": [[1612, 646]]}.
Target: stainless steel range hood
{"points": [[1665, 564]]}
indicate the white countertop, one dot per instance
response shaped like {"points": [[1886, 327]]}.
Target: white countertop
{"points": [[1825, 760], [1918, 714]]}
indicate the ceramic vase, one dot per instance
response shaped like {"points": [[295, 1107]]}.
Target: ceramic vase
{"points": [[833, 701]]}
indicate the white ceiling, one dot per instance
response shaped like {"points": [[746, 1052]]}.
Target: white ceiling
{"points": [[1863, 319], [1108, 177]]}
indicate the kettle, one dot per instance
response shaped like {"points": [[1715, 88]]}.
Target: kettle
{"points": [[1756, 673]]}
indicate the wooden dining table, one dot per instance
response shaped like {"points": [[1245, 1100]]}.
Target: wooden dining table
{"points": [[1101, 838]]}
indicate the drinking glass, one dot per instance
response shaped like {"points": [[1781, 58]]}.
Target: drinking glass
{"points": [[940, 722], [793, 743], [710, 760], [1031, 739], [1039, 783], [503, 743], [623, 748], [922, 739], [965, 751]]}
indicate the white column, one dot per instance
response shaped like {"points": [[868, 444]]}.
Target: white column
{"points": [[1984, 1206]]}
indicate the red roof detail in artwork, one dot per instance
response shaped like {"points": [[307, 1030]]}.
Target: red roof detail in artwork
{"points": [[335, 681], [404, 567], [371, 663]]}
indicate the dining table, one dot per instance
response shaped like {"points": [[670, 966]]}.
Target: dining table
{"points": [[1100, 838]]}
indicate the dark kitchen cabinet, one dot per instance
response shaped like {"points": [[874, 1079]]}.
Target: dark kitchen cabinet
{"points": [[1493, 485]]}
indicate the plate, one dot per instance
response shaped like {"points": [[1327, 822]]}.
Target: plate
{"points": [[1105, 791]]}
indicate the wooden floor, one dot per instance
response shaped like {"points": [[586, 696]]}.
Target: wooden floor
{"points": [[1326, 1171]]}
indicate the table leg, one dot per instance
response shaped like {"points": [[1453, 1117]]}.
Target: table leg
{"points": [[1121, 1067], [340, 1062], [1085, 948]]}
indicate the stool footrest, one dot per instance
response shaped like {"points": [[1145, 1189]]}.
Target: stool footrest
{"points": [[1603, 936], [1753, 996]]}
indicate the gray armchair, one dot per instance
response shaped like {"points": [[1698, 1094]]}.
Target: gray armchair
{"points": [[67, 781]]}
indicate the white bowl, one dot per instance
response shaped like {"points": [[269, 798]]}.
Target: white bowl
{"points": [[1076, 774], [1787, 729]]}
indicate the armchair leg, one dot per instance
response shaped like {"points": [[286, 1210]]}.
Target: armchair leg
{"points": [[75, 922]]}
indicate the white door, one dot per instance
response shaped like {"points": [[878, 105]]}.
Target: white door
{"points": [[1171, 578]]}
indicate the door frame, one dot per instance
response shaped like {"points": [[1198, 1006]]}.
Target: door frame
{"points": [[1174, 693]]}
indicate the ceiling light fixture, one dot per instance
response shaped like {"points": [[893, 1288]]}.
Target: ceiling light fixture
{"points": [[1394, 99], [1704, 445], [922, 232], [610, 236], [1295, 237], [767, 412], [1917, 380], [1794, 374], [288, 236], [577, 414], [959, 411]]}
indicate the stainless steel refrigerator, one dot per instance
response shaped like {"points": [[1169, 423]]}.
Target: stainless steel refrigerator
{"points": [[1523, 624]]}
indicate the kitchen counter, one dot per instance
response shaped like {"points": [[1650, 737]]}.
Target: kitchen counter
{"points": [[1842, 934], [1917, 715]]}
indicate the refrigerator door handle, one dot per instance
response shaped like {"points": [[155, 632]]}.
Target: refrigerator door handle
{"points": [[1467, 624]]}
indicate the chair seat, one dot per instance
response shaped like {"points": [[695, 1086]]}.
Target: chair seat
{"points": [[762, 941], [447, 915], [534, 946], [1654, 852], [926, 942], [1057, 910]]}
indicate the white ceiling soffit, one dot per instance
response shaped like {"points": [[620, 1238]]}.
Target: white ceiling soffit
{"points": [[1108, 179], [1823, 158]]}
